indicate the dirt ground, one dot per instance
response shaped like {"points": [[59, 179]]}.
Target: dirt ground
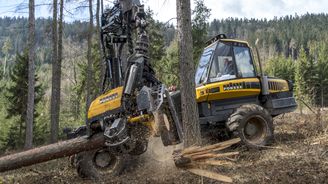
{"points": [[298, 155]]}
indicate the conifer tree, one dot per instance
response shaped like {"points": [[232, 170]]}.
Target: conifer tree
{"points": [[300, 83], [322, 69], [281, 67], [201, 13], [17, 97]]}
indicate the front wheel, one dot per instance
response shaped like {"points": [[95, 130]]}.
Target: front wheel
{"points": [[253, 124], [97, 163]]}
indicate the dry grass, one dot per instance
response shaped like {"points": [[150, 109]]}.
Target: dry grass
{"points": [[299, 155]]}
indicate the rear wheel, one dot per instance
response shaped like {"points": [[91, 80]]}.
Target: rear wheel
{"points": [[253, 124], [97, 163]]}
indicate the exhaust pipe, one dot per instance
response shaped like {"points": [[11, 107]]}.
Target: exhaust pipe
{"points": [[263, 78]]}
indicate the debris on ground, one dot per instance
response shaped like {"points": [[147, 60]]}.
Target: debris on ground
{"points": [[299, 154]]}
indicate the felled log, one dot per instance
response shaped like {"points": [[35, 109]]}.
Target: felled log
{"points": [[50, 152]]}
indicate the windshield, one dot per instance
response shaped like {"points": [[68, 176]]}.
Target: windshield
{"points": [[244, 62], [203, 65], [225, 59], [223, 65]]}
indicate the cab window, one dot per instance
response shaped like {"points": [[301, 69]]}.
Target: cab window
{"points": [[204, 62], [244, 62], [223, 65]]}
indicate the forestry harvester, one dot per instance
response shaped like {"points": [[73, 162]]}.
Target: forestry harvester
{"points": [[134, 104], [231, 95]]}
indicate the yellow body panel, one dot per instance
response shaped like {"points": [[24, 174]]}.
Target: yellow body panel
{"points": [[228, 40], [201, 93], [111, 100], [138, 119], [237, 88], [233, 40], [234, 91], [278, 85]]}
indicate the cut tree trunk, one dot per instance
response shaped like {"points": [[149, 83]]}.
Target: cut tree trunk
{"points": [[50, 152], [191, 129]]}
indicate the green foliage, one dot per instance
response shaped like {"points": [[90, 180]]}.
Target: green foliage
{"points": [[80, 89], [16, 95], [281, 67], [6, 49], [156, 39], [7, 46], [168, 67], [319, 74], [301, 87], [164, 61], [199, 28]]}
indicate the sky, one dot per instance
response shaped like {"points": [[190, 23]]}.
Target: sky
{"points": [[165, 10]]}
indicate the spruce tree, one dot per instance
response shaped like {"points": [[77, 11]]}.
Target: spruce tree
{"points": [[281, 67], [300, 77], [199, 28], [322, 70], [16, 95]]}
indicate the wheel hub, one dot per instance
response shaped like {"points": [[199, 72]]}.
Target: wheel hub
{"points": [[255, 129], [250, 129], [103, 159]]}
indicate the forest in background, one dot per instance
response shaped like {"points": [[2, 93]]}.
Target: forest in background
{"points": [[292, 47]]}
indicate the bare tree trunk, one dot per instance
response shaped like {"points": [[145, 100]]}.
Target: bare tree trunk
{"points": [[102, 6], [55, 89], [187, 73], [89, 68], [102, 67], [322, 96], [31, 80]]}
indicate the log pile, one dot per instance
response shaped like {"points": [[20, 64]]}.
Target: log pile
{"points": [[194, 159]]}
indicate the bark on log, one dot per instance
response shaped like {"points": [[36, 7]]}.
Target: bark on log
{"points": [[50, 152]]}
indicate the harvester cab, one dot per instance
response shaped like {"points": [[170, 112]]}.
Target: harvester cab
{"points": [[230, 91], [224, 60]]}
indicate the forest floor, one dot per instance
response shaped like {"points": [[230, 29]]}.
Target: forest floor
{"points": [[298, 155]]}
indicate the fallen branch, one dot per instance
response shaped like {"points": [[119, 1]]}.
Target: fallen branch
{"points": [[211, 155], [211, 175]]}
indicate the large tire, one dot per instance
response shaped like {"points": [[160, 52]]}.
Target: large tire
{"points": [[87, 168], [253, 124]]}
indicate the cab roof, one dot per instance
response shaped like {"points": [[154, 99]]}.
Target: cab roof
{"points": [[223, 37]]}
